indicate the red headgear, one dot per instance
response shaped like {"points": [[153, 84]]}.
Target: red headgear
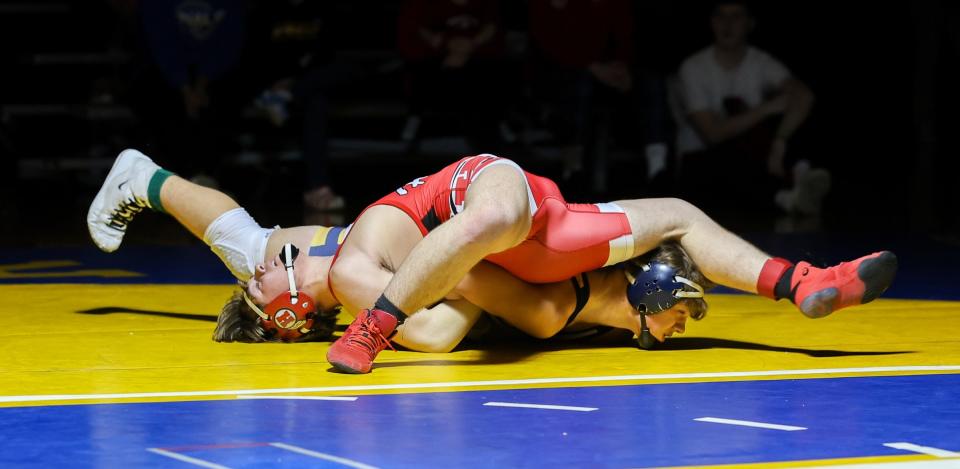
{"points": [[290, 315]]}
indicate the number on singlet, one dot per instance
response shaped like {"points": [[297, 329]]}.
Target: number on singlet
{"points": [[413, 184]]}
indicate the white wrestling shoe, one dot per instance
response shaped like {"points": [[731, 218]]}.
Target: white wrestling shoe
{"points": [[122, 196]]}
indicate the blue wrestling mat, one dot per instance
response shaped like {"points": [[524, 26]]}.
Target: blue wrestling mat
{"points": [[614, 427]]}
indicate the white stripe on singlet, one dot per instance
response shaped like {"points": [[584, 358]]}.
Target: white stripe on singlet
{"points": [[453, 185], [621, 248]]}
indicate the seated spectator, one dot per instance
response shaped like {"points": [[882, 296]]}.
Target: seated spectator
{"points": [[453, 50], [581, 53], [297, 65], [740, 110], [195, 45]]}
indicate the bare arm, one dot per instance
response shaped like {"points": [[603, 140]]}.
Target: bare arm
{"points": [[795, 101], [440, 328], [799, 103], [715, 129], [436, 39], [365, 266], [540, 310], [359, 281], [484, 35]]}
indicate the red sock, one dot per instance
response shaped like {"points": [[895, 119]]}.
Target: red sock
{"points": [[771, 273]]}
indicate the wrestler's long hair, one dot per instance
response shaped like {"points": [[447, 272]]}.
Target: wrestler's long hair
{"points": [[238, 323], [672, 254]]}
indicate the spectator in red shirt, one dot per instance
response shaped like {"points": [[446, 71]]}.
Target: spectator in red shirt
{"points": [[453, 50]]}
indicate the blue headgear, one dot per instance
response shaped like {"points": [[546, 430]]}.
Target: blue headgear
{"points": [[656, 288]]}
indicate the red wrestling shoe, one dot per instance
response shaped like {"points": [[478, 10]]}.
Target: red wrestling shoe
{"points": [[819, 292], [355, 351]]}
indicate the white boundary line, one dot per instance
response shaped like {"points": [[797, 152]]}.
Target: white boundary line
{"points": [[301, 398], [186, 459], [506, 382], [928, 464], [940, 453], [540, 406], [328, 457], [747, 423]]}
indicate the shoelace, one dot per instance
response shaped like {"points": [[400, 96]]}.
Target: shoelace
{"points": [[123, 214], [368, 336]]}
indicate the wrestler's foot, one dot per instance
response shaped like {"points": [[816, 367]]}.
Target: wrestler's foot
{"points": [[363, 340], [122, 196], [819, 292]]}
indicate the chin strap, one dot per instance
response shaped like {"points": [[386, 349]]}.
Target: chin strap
{"points": [[288, 254], [646, 340]]}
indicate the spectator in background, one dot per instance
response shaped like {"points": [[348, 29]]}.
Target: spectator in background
{"points": [[453, 49], [659, 35], [581, 53], [195, 44], [296, 58], [740, 110]]}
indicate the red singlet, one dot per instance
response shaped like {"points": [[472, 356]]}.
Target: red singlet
{"points": [[564, 239]]}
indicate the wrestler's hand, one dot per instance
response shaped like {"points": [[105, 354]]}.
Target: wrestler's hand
{"points": [[613, 74], [459, 52], [775, 106]]}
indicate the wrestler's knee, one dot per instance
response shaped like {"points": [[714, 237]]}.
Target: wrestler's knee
{"points": [[653, 220], [238, 240], [497, 208], [682, 208], [496, 223]]}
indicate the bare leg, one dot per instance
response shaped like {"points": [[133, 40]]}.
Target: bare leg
{"points": [[135, 183], [194, 206], [197, 207], [722, 256], [496, 217], [729, 260]]}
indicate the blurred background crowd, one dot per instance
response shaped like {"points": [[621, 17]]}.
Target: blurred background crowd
{"points": [[781, 115]]}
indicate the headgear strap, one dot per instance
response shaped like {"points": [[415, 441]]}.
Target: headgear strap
{"points": [[290, 314]]}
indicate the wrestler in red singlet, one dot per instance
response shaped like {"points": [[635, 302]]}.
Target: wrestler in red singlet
{"points": [[564, 239]]}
